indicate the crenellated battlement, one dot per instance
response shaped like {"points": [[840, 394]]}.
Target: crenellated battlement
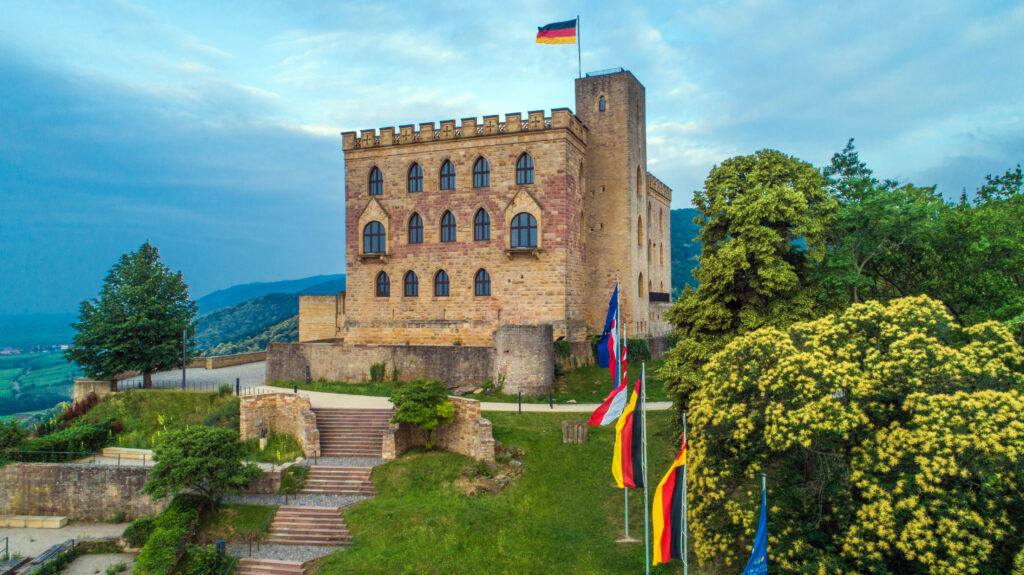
{"points": [[560, 118], [659, 187]]}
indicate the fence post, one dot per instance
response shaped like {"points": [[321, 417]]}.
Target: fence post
{"points": [[238, 384]]}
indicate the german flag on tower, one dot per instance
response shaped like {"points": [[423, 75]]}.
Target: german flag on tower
{"points": [[557, 33], [627, 462], [668, 511]]}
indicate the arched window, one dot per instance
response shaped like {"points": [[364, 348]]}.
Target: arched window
{"points": [[447, 227], [415, 229], [383, 285], [524, 169], [639, 231], [639, 182], [661, 254], [650, 248], [600, 104], [481, 173], [376, 182], [447, 175], [640, 285], [523, 231], [415, 179], [373, 238], [482, 283], [412, 284], [648, 212], [441, 284], [481, 226], [661, 219]]}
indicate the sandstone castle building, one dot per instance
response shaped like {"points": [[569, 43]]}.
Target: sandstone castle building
{"points": [[471, 246]]}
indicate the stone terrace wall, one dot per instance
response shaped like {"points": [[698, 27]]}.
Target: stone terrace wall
{"points": [[219, 361], [280, 413], [468, 434], [77, 491], [457, 366], [525, 354], [83, 387]]}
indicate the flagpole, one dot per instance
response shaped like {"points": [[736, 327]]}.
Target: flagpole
{"points": [[618, 377], [643, 399], [686, 505], [579, 57]]}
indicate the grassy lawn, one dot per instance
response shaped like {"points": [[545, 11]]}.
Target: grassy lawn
{"points": [[281, 448], [561, 516], [231, 521], [144, 412], [589, 384]]}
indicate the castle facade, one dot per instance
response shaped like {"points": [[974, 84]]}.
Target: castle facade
{"points": [[455, 232]]}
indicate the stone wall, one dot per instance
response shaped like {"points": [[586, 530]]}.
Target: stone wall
{"points": [[468, 434], [219, 361], [321, 316], [78, 491], [525, 355], [458, 366], [280, 413], [83, 387]]}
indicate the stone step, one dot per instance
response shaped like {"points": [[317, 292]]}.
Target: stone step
{"points": [[307, 523], [254, 566], [289, 510]]}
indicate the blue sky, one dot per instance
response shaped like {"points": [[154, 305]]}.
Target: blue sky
{"points": [[211, 128]]}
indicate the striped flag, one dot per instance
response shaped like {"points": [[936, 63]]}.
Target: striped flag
{"points": [[557, 33], [668, 511], [627, 462], [611, 408]]}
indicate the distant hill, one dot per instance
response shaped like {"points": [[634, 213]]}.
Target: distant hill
{"points": [[287, 330], [684, 248], [228, 297], [329, 287]]}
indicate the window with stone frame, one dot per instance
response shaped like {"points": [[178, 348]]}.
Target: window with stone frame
{"points": [[447, 175], [481, 173], [383, 288], [415, 229], [523, 231], [374, 238], [376, 182], [482, 283], [441, 284], [524, 169], [481, 226], [415, 182], [412, 284], [448, 228]]}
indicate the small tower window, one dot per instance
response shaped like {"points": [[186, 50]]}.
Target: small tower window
{"points": [[600, 104], [373, 238], [524, 231], [415, 179], [383, 285], [441, 284], [481, 174], [481, 226], [482, 283], [376, 182], [412, 284], [447, 227], [415, 229], [639, 231], [640, 285], [524, 170], [447, 175]]}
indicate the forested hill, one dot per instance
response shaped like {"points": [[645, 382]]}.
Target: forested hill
{"points": [[239, 293], [685, 248]]}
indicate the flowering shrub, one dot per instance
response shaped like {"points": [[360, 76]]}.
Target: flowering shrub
{"points": [[892, 438]]}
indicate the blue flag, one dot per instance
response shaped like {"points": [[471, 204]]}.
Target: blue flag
{"points": [[758, 564], [603, 355]]}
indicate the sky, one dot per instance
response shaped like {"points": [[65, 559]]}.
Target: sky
{"points": [[212, 128]]}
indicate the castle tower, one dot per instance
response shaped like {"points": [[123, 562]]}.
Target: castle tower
{"points": [[616, 227]]}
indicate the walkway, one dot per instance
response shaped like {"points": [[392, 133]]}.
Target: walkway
{"points": [[250, 375]]}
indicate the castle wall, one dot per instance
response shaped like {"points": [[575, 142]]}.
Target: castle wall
{"points": [[526, 288], [525, 355], [321, 316], [468, 434], [80, 492], [457, 366]]}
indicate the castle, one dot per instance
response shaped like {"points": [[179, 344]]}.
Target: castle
{"points": [[471, 247]]}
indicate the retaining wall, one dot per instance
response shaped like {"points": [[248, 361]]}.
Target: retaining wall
{"points": [[77, 491], [220, 361], [83, 387], [280, 413], [468, 434]]}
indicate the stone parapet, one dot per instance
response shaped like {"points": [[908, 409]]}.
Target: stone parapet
{"points": [[468, 434], [84, 387], [219, 361], [78, 491], [280, 413]]}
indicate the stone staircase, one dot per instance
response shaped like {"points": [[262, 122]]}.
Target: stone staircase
{"points": [[308, 526], [253, 566], [352, 432], [321, 479]]}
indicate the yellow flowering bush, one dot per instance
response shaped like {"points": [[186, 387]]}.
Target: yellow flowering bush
{"points": [[892, 437]]}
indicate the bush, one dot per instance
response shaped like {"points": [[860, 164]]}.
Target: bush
{"points": [[203, 560], [11, 435], [80, 437], [562, 349], [637, 350], [203, 460], [138, 531], [116, 568], [225, 389], [172, 529], [423, 404], [378, 371]]}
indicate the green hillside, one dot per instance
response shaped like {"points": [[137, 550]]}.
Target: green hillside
{"points": [[685, 248], [287, 331], [245, 319], [243, 292]]}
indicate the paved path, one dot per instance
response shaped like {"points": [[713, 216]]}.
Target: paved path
{"points": [[31, 542], [92, 564], [250, 375]]}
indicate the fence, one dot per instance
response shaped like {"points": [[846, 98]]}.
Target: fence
{"points": [[51, 554], [237, 387]]}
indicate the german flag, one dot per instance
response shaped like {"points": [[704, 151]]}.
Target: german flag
{"points": [[627, 463], [668, 510], [557, 33]]}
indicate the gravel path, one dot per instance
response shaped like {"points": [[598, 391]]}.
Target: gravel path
{"points": [[300, 500], [92, 564], [31, 541], [347, 461], [290, 552]]}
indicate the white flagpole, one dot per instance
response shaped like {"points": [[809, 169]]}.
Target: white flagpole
{"points": [[686, 504], [643, 399]]}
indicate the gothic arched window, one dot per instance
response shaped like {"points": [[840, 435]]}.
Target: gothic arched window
{"points": [[482, 283], [383, 285], [481, 173], [412, 284], [415, 229], [415, 179], [441, 284], [524, 169], [448, 227], [376, 182], [600, 104], [447, 175], [523, 231], [374, 238], [481, 226]]}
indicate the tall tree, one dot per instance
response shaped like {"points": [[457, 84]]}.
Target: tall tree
{"points": [[205, 460], [764, 221], [137, 321]]}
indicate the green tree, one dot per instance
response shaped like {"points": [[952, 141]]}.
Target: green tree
{"points": [[137, 321], [424, 404], [891, 436], [204, 460], [764, 221]]}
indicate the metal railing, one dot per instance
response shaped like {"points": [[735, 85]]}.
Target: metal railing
{"points": [[6, 553], [49, 555], [277, 503], [50, 456]]}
